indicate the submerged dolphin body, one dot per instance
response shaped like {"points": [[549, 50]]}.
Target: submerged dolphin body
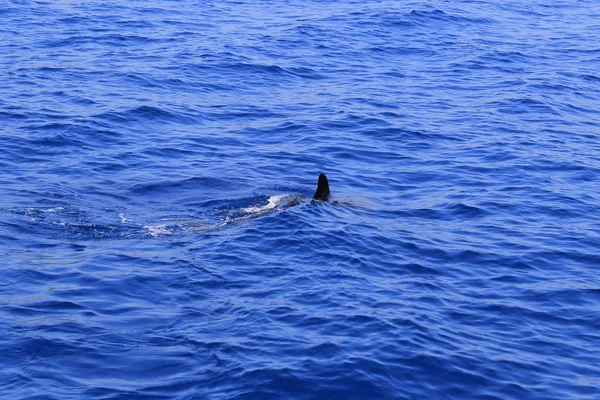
{"points": [[281, 202], [276, 203], [289, 200], [322, 193]]}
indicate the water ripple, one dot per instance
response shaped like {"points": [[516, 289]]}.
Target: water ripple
{"points": [[156, 225]]}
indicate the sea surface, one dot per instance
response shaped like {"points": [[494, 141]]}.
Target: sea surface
{"points": [[157, 236]]}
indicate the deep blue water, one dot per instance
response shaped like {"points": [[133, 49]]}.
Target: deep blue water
{"points": [[146, 148]]}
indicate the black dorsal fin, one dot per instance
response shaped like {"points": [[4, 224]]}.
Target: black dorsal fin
{"points": [[322, 192]]}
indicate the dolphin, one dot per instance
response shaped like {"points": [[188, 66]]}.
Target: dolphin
{"points": [[279, 202], [276, 203], [286, 201]]}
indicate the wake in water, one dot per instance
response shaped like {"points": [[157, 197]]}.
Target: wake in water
{"points": [[74, 221], [275, 203], [78, 222]]}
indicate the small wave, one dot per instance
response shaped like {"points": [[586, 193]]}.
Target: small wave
{"points": [[149, 113], [524, 106], [12, 115], [207, 183], [439, 15]]}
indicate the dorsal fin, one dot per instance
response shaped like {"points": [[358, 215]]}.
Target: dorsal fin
{"points": [[322, 192]]}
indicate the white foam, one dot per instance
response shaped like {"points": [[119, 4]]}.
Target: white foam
{"points": [[123, 219], [155, 230], [51, 210], [274, 201]]}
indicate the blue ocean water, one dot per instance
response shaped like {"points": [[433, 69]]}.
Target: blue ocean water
{"points": [[148, 150]]}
